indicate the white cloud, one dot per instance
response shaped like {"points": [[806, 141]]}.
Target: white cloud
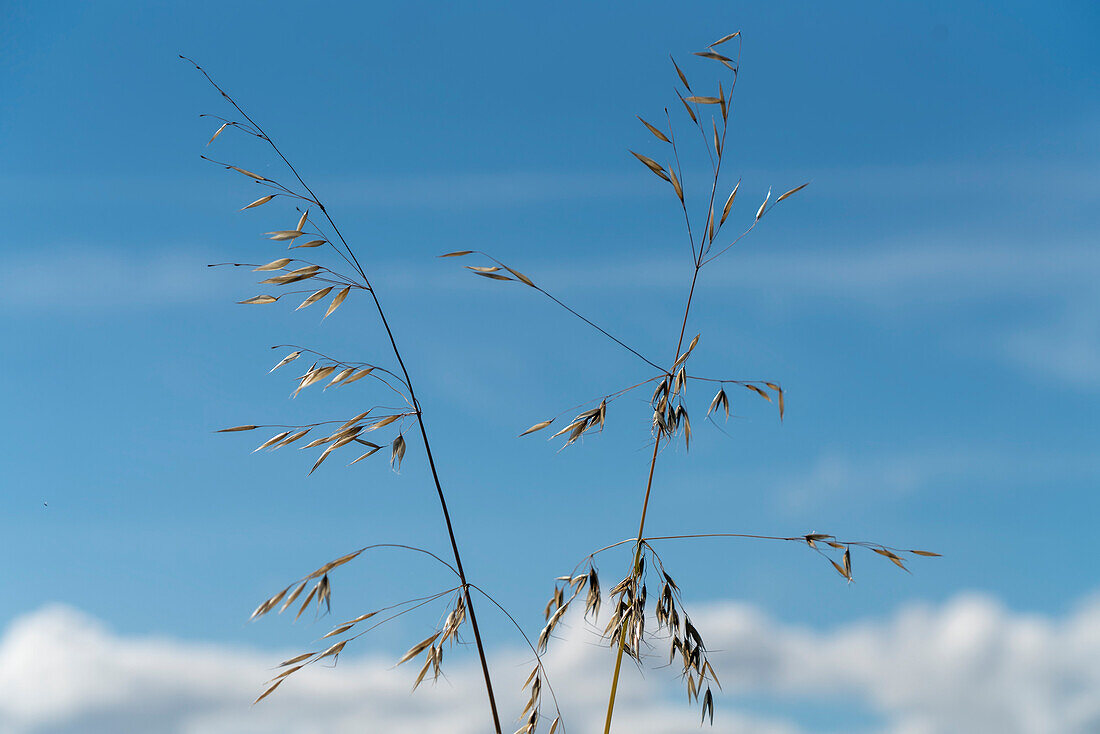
{"points": [[968, 665]]}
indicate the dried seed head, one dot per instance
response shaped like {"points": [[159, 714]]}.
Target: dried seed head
{"points": [[397, 452]]}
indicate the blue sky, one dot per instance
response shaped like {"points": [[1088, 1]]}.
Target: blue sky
{"points": [[928, 303]]}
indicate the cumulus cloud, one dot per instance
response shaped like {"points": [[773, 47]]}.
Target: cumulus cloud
{"points": [[968, 665]]}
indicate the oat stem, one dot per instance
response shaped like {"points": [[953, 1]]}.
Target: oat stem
{"points": [[645, 509], [354, 261], [697, 258]]}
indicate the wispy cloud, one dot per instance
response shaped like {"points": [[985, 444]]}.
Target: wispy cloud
{"points": [[1051, 330], [971, 181], [967, 665], [836, 474], [1065, 346], [420, 191], [1070, 181], [922, 270], [930, 270], [465, 191], [1008, 299], [975, 182], [73, 279]]}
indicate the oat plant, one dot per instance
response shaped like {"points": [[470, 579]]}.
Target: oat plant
{"points": [[317, 265], [705, 211]]}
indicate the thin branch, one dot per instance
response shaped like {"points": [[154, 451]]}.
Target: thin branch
{"points": [[600, 329], [585, 319], [538, 658], [423, 602]]}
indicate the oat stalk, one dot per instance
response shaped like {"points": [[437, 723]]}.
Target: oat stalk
{"points": [[626, 631], [362, 282]]}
